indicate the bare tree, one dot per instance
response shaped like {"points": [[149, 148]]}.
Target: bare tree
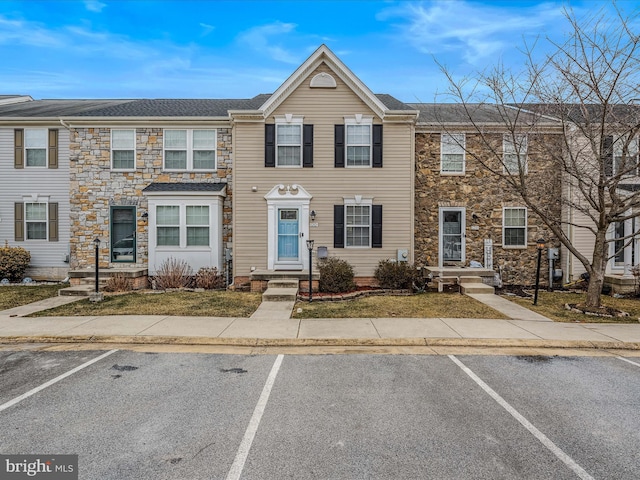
{"points": [[585, 96]]}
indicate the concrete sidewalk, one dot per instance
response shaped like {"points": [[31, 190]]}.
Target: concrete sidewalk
{"points": [[272, 326]]}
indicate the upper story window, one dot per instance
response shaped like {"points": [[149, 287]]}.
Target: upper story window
{"points": [[289, 144], [190, 149], [452, 153], [35, 147], [625, 155], [515, 154], [358, 142], [514, 227], [123, 149]]}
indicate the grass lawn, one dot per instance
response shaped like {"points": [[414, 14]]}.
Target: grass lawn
{"points": [[424, 305], [17, 295], [197, 304], [551, 305]]}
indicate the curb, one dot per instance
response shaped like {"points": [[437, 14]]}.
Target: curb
{"points": [[324, 342]]}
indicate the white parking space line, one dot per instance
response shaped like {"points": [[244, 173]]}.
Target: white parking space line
{"points": [[250, 433], [629, 361], [11, 403], [557, 451]]}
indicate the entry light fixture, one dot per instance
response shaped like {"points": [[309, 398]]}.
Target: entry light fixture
{"points": [[313, 215]]}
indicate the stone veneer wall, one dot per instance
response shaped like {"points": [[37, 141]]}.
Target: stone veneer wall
{"points": [[482, 194], [95, 188]]}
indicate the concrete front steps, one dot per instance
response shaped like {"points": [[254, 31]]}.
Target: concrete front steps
{"points": [[470, 284], [83, 282], [281, 290]]}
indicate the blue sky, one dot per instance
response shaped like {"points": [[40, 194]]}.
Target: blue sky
{"points": [[237, 49]]}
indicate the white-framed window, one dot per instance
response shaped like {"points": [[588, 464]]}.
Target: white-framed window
{"points": [[357, 216], [123, 149], [289, 141], [35, 147], [168, 225], [358, 141], [514, 227], [35, 217], [452, 153], [186, 149], [515, 153], [625, 155], [197, 225], [183, 225]]}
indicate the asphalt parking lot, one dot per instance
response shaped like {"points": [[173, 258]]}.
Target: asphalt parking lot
{"points": [[136, 415]]}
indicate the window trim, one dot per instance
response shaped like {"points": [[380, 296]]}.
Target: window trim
{"points": [[525, 227], [358, 120], [134, 149], [45, 148], [189, 149], [617, 149], [37, 201], [358, 202], [183, 226], [188, 226], [507, 141], [459, 144], [287, 120]]}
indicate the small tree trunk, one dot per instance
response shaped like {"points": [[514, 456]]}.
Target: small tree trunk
{"points": [[598, 267]]}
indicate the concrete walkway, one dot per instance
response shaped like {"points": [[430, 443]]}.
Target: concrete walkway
{"points": [[271, 325]]}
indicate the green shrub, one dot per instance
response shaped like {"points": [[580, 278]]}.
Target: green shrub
{"points": [[13, 262], [336, 276], [209, 279], [396, 275]]}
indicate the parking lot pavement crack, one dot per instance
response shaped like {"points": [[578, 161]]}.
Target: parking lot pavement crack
{"points": [[203, 449]]}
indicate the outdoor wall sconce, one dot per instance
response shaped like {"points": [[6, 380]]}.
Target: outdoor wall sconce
{"points": [[145, 215], [313, 215], [540, 247]]}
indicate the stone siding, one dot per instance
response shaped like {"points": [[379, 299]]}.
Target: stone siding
{"points": [[95, 188], [483, 196]]}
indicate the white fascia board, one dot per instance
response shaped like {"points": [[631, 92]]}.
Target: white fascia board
{"points": [[324, 54]]}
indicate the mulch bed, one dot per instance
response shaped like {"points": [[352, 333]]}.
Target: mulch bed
{"points": [[603, 311], [358, 293]]}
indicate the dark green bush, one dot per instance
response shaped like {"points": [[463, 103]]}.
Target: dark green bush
{"points": [[396, 275], [13, 262], [336, 276]]}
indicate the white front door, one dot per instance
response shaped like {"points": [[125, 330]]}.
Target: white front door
{"points": [[451, 235]]}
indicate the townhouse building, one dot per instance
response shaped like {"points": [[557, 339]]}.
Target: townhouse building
{"points": [[242, 184]]}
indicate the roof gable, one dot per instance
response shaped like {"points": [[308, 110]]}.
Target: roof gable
{"points": [[324, 55]]}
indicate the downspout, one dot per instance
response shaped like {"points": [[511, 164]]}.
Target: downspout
{"points": [[65, 125]]}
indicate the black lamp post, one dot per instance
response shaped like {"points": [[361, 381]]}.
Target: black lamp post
{"points": [[97, 244], [310, 247], [540, 246]]}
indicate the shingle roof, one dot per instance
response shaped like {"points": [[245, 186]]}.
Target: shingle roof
{"points": [[393, 103], [449, 113], [185, 187], [54, 108]]}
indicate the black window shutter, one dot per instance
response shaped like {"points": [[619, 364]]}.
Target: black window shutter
{"points": [[18, 209], [339, 146], [307, 146], [18, 143], [377, 146], [270, 145], [338, 226], [376, 226], [53, 222], [53, 148], [607, 152]]}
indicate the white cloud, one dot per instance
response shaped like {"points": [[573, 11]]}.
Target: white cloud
{"points": [[261, 39], [206, 29], [475, 31], [33, 34], [94, 5]]}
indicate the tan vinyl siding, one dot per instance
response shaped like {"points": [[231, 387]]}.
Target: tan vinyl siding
{"points": [[390, 186]]}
